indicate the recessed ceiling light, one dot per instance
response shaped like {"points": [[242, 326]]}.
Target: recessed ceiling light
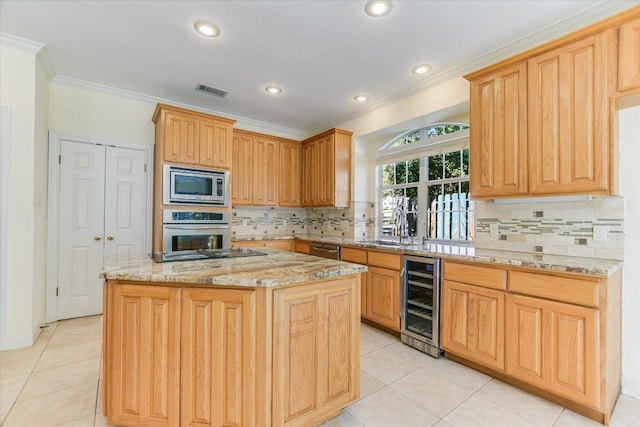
{"points": [[274, 90], [207, 29], [421, 69], [360, 98], [378, 8]]}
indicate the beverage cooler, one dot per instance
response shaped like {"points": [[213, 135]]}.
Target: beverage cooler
{"points": [[420, 304]]}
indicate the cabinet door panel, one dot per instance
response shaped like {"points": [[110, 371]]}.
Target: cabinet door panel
{"points": [[146, 365], [309, 170], [498, 135], [568, 118], [265, 172], [215, 144], [383, 297], [554, 346], [218, 357], [339, 353], [180, 139], [629, 56], [472, 323], [290, 174], [241, 174]]}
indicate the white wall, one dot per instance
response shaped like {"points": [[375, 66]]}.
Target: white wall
{"points": [[17, 92], [629, 139], [100, 114]]}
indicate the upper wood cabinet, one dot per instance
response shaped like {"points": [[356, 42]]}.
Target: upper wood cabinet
{"points": [[629, 56], [499, 133], [541, 122], [326, 169], [569, 144], [192, 138], [290, 171], [255, 169]]}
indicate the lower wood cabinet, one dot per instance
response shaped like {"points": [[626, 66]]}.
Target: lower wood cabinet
{"points": [[316, 352], [145, 346], [218, 357], [284, 244], [473, 323], [558, 333], [553, 346], [201, 356], [383, 297]]}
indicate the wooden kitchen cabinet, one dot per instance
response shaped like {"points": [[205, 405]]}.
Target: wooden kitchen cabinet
{"points": [[315, 351], [383, 297], [192, 138], [326, 169], [290, 172], [472, 323], [553, 346], [569, 118], [498, 139], [282, 244], [145, 344], [358, 256], [629, 56], [218, 357], [255, 169]]}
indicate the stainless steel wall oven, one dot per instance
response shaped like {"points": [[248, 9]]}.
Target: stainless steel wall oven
{"points": [[193, 230], [420, 304]]}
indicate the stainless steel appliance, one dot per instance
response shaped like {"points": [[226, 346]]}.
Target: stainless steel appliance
{"points": [[195, 186], [420, 304], [325, 250], [192, 230]]}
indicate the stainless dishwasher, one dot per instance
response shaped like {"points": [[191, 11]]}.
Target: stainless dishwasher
{"points": [[420, 304], [325, 250]]}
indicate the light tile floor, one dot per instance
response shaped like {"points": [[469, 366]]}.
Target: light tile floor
{"points": [[56, 382]]}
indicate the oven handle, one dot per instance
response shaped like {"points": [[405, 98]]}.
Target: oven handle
{"points": [[196, 227]]}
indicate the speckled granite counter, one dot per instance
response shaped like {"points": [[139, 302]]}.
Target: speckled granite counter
{"points": [[277, 268], [591, 266]]}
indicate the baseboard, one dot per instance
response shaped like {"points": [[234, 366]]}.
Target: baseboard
{"points": [[18, 341], [24, 340]]}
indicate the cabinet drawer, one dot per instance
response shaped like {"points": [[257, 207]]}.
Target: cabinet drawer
{"points": [[575, 291], [303, 247], [358, 256], [385, 260], [475, 275]]}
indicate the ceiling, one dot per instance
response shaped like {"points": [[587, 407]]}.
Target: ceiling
{"points": [[322, 53]]}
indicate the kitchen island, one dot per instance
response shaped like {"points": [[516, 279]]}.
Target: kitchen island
{"points": [[269, 340]]}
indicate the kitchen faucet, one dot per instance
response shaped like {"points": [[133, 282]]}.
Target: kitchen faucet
{"points": [[401, 218]]}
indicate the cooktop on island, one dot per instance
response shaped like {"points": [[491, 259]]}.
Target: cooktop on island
{"points": [[204, 254]]}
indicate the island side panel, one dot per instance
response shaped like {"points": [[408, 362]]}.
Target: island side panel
{"points": [[316, 351]]}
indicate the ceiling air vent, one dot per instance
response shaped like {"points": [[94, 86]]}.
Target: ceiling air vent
{"points": [[211, 90]]}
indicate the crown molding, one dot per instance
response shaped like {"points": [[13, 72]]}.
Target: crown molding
{"points": [[597, 12], [241, 122], [43, 58], [24, 44]]}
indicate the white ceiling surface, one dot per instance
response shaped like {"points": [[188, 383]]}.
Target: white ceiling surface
{"points": [[321, 53]]}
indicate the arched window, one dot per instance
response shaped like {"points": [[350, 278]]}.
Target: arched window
{"points": [[423, 185]]}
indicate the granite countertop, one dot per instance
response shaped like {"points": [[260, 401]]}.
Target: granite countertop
{"points": [[466, 252], [264, 237], [277, 268]]}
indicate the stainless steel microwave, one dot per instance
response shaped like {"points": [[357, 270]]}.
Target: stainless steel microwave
{"points": [[195, 186]]}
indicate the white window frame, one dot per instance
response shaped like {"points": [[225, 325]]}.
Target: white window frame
{"points": [[422, 150]]}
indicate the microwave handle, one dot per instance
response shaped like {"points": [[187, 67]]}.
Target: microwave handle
{"points": [[196, 227]]}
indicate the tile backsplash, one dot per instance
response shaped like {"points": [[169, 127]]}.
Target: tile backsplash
{"points": [[553, 227], [356, 221]]}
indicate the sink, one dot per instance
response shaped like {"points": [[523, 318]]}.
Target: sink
{"points": [[390, 243]]}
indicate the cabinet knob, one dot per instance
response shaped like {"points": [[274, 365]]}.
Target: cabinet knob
{"points": [[97, 238], [109, 237]]}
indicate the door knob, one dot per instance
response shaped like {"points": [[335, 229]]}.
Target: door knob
{"points": [[109, 237], [97, 238]]}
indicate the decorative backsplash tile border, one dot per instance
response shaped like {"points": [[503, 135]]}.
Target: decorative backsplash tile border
{"points": [[556, 228], [355, 221]]}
